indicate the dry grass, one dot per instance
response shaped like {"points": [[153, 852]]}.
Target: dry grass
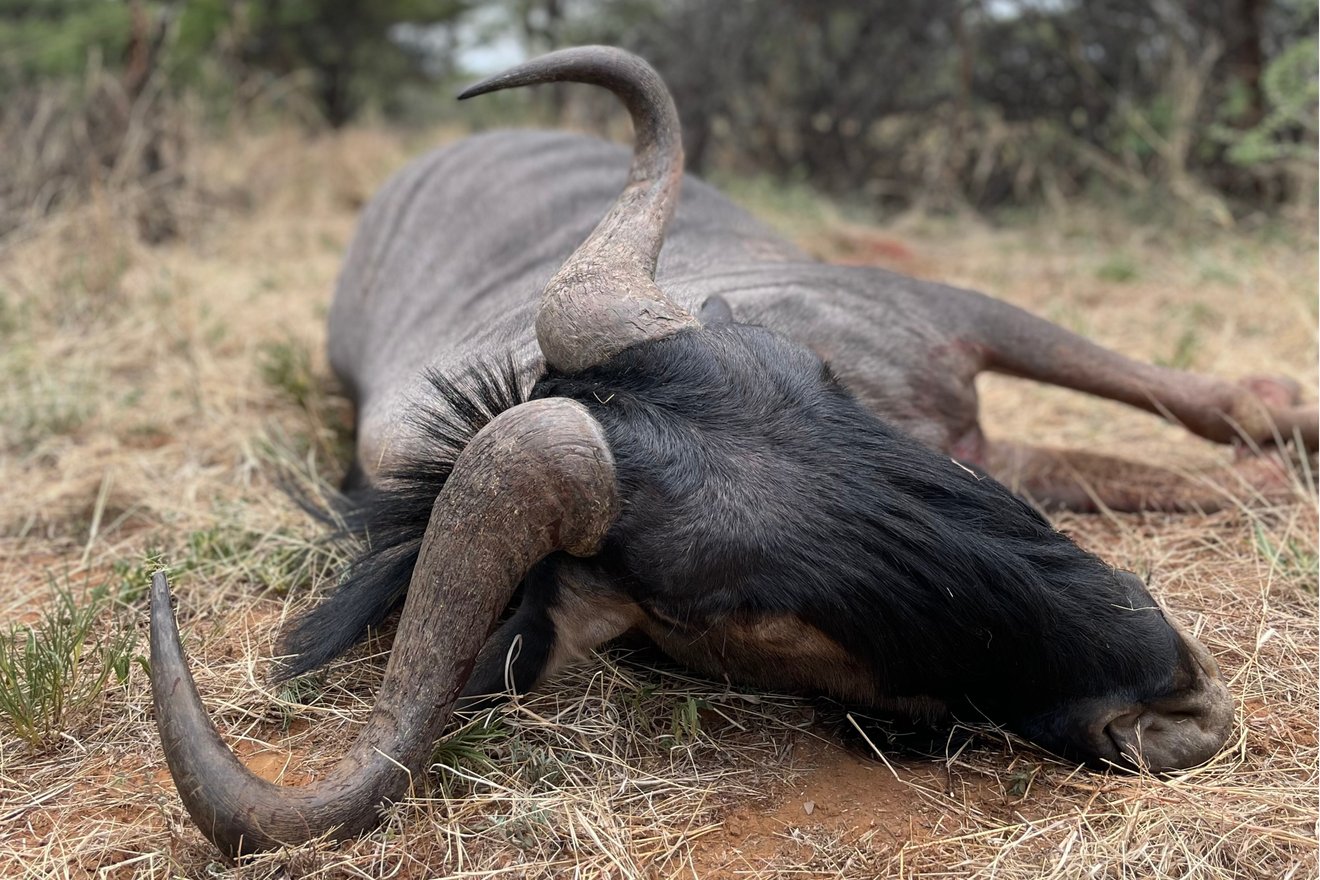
{"points": [[152, 395]]}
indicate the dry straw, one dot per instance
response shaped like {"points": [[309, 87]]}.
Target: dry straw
{"points": [[152, 396]]}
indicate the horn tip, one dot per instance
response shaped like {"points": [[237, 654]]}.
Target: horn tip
{"points": [[480, 88], [164, 630], [469, 92], [160, 592]]}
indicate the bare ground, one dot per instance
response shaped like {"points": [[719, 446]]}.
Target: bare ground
{"points": [[152, 397]]}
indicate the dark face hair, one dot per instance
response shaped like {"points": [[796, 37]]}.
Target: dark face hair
{"points": [[752, 481]]}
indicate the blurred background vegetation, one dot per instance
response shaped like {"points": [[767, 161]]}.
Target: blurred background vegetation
{"points": [[1203, 107]]}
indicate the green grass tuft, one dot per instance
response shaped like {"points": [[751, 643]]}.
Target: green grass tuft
{"points": [[54, 672], [1118, 269], [134, 575], [287, 367], [468, 750], [281, 563], [305, 690], [685, 725]]}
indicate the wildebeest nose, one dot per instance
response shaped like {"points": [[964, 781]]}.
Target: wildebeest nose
{"points": [[1185, 728], [1178, 731]]}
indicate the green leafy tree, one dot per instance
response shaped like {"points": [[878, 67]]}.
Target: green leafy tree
{"points": [[1290, 126], [55, 38], [354, 49]]}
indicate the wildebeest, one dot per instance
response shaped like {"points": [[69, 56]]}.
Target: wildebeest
{"points": [[770, 466]]}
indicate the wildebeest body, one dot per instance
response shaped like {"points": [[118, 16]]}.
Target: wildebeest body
{"points": [[769, 553], [771, 466], [452, 255]]}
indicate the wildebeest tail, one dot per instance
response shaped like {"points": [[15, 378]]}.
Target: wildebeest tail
{"points": [[390, 517]]}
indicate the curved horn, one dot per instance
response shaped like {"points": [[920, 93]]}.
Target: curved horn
{"points": [[604, 298], [538, 478]]}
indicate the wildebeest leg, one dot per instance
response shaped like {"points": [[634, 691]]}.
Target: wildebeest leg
{"points": [[1086, 482], [514, 657], [563, 617], [1260, 410]]}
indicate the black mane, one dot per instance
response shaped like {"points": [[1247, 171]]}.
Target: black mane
{"points": [[753, 479], [390, 517], [754, 483]]}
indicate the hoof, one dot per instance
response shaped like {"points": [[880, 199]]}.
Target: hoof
{"points": [[1273, 391]]}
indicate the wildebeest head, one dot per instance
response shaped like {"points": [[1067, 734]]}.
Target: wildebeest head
{"points": [[672, 450], [751, 479]]}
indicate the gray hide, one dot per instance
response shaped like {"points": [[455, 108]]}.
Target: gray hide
{"points": [[451, 256]]}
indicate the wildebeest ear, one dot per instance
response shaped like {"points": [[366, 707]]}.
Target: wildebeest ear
{"points": [[715, 310]]}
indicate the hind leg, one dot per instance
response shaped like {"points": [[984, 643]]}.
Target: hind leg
{"points": [[1087, 482], [1261, 410]]}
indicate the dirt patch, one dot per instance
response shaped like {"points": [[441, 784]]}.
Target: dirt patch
{"points": [[838, 793], [841, 798], [275, 763]]}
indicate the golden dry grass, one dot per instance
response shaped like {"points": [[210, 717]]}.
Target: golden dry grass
{"points": [[151, 396]]}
